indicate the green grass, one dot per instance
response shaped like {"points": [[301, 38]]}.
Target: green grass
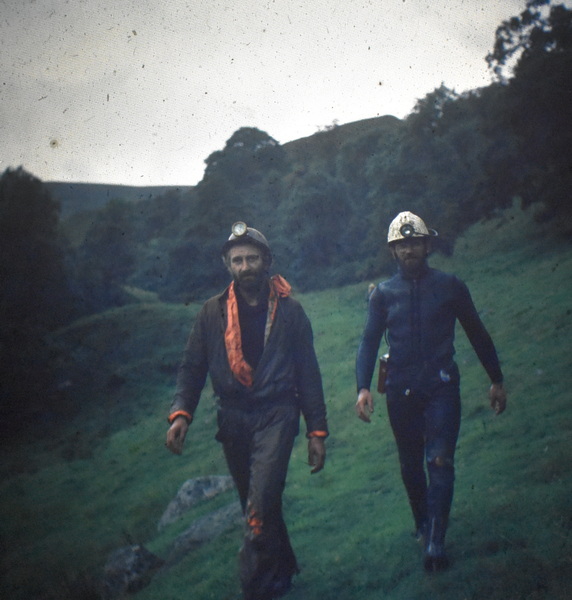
{"points": [[103, 478]]}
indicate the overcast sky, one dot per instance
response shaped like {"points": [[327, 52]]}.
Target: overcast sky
{"points": [[140, 93]]}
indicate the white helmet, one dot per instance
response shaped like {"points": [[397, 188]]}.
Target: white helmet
{"points": [[407, 225]]}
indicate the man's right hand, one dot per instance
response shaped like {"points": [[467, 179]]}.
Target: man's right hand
{"points": [[364, 405], [497, 396], [176, 435]]}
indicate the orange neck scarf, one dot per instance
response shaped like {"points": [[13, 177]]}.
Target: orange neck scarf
{"points": [[279, 288]]}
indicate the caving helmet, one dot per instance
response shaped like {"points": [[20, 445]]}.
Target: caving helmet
{"points": [[241, 234], [407, 225]]}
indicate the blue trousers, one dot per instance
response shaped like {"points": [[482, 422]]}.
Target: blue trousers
{"points": [[425, 422]]}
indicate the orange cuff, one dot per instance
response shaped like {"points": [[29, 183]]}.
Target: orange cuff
{"points": [[180, 413], [318, 434]]}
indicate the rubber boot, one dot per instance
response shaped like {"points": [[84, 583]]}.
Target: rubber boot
{"points": [[420, 516], [418, 503], [435, 556], [421, 532]]}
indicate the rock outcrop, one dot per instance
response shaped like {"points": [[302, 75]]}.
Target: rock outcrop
{"points": [[131, 568], [203, 530], [128, 570], [191, 493]]}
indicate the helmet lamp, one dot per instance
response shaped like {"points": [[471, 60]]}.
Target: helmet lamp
{"points": [[407, 230], [239, 229]]}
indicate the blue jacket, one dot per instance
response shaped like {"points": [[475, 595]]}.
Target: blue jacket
{"points": [[419, 316]]}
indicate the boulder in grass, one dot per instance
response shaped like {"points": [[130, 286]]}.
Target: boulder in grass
{"points": [[128, 570], [204, 530], [191, 493]]}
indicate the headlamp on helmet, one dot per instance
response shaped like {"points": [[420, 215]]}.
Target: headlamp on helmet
{"points": [[239, 229], [407, 230], [242, 234]]}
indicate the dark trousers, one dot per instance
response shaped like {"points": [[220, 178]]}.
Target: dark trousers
{"points": [[257, 446], [426, 428]]}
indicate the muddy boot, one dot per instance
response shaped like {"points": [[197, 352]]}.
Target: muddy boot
{"points": [[435, 556], [421, 533], [419, 510], [281, 586]]}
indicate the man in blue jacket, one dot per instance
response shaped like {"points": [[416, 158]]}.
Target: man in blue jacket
{"points": [[256, 343], [417, 309]]}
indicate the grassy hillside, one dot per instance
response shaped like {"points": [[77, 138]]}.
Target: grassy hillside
{"points": [[80, 197], [104, 480], [318, 148]]}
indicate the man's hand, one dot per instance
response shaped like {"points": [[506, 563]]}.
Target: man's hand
{"points": [[176, 435], [497, 396], [316, 454], [364, 405]]}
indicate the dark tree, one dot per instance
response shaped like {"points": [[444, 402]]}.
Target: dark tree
{"points": [[538, 102], [247, 158], [539, 29], [34, 296], [32, 269], [107, 257]]}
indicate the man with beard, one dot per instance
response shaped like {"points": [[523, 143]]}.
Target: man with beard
{"points": [[418, 309], [256, 343]]}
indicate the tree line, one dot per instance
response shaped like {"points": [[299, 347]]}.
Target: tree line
{"points": [[324, 202]]}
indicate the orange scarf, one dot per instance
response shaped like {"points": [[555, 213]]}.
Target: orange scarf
{"points": [[279, 288]]}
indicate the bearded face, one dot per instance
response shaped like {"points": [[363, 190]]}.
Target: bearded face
{"points": [[248, 267]]}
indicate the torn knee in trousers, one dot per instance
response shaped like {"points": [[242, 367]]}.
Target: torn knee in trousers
{"points": [[440, 461], [255, 524]]}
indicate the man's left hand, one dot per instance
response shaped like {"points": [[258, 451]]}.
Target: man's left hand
{"points": [[316, 454], [497, 396]]}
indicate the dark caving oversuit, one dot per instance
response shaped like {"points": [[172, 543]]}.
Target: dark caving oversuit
{"points": [[418, 309]]}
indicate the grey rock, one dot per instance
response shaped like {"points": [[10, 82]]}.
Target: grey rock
{"points": [[128, 570], [191, 493], [131, 568], [203, 530]]}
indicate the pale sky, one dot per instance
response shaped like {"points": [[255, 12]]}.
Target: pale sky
{"points": [[140, 93]]}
